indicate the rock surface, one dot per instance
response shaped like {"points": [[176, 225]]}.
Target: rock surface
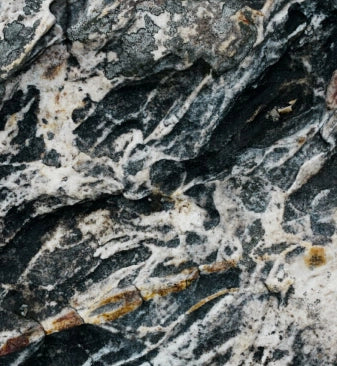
{"points": [[168, 182]]}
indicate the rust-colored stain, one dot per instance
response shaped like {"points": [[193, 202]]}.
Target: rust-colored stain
{"points": [[130, 300], [170, 286], [193, 275], [125, 296], [210, 298], [316, 257], [301, 140], [218, 266], [113, 315], [14, 344], [243, 19], [70, 320], [52, 71], [166, 290]]}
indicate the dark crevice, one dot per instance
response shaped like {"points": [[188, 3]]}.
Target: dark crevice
{"points": [[295, 18], [29, 232], [253, 125]]}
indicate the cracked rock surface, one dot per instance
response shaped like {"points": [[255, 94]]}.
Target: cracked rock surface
{"points": [[168, 182]]}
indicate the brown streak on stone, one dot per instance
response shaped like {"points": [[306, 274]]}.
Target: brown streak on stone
{"points": [[127, 308], [243, 19], [130, 300], [167, 288], [217, 266], [67, 321], [52, 71], [316, 257], [210, 298], [164, 291], [301, 140], [14, 344]]}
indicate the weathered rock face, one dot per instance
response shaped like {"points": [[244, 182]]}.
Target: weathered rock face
{"points": [[168, 182]]}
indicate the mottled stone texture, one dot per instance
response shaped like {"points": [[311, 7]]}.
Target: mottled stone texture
{"points": [[168, 182]]}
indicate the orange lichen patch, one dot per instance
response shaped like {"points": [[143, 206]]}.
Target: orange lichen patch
{"points": [[69, 320], [210, 298], [217, 266], [316, 257], [14, 344], [125, 302], [170, 284], [52, 71]]}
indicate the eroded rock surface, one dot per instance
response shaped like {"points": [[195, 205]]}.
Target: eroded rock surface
{"points": [[168, 182]]}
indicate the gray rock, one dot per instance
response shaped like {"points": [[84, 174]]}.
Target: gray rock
{"points": [[168, 182]]}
